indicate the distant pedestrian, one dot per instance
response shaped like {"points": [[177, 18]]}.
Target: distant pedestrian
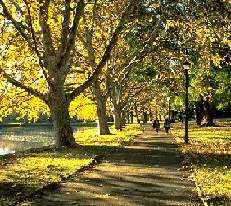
{"points": [[156, 125], [167, 125], [181, 118]]}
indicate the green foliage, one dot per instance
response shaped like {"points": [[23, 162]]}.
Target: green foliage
{"points": [[223, 92], [144, 73], [209, 153], [196, 31]]}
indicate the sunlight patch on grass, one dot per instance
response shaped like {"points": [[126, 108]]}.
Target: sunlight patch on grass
{"points": [[91, 136], [24, 174], [209, 152], [214, 181]]}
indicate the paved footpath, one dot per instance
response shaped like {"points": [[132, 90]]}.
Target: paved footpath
{"points": [[147, 172]]}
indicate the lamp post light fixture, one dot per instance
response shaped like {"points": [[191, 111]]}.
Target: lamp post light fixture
{"points": [[186, 66]]}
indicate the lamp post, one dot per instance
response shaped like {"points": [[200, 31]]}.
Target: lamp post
{"points": [[186, 66], [168, 99]]}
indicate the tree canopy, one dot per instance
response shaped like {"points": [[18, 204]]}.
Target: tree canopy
{"points": [[68, 58]]}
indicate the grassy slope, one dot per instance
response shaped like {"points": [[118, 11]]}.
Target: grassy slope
{"points": [[210, 154], [22, 175]]}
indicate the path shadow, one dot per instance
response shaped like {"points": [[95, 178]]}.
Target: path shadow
{"points": [[144, 173]]}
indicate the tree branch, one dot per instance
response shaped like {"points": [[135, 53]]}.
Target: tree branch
{"points": [[43, 18], [18, 25], [65, 54], [88, 39], [22, 86], [17, 6], [65, 25], [36, 44], [104, 58]]}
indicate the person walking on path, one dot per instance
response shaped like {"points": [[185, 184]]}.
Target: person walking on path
{"points": [[156, 125], [167, 125]]}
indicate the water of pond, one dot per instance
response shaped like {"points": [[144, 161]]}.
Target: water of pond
{"points": [[13, 139]]}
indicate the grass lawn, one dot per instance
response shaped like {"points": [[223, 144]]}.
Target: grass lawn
{"points": [[26, 173], [209, 152]]}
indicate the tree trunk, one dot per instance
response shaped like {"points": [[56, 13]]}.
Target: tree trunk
{"points": [[208, 114], [145, 117], [117, 118], [124, 116], [136, 111], [116, 101], [199, 110], [101, 101], [61, 120], [102, 115], [131, 117]]}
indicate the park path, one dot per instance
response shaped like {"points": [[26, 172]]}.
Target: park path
{"points": [[147, 172]]}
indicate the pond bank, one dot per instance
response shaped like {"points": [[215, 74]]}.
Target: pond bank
{"points": [[14, 138], [22, 176]]}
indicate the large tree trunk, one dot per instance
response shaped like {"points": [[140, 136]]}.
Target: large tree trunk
{"points": [[116, 95], [61, 119]]}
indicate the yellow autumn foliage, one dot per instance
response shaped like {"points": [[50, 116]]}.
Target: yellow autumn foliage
{"points": [[83, 108], [20, 61]]}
